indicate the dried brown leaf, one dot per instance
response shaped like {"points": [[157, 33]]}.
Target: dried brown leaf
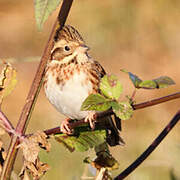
{"points": [[42, 140], [31, 147], [36, 169], [7, 80]]}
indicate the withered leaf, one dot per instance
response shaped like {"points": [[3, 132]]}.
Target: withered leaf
{"points": [[31, 147], [7, 80], [36, 169]]}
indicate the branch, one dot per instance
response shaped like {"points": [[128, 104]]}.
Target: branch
{"points": [[151, 148], [157, 101], [5, 123], [153, 102], [33, 93]]}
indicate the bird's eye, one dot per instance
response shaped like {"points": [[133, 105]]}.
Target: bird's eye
{"points": [[67, 48]]}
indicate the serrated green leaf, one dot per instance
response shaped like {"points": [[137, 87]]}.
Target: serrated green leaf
{"points": [[83, 141], [95, 102], [148, 84], [123, 110], [66, 140], [43, 9], [164, 81], [160, 82], [7, 81], [135, 79], [111, 87]]}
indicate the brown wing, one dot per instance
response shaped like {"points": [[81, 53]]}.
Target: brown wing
{"points": [[112, 124], [100, 69], [95, 73]]}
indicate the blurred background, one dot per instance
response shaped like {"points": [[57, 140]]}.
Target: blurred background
{"points": [[140, 36]]}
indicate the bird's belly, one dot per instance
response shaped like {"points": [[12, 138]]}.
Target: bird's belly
{"points": [[68, 98]]}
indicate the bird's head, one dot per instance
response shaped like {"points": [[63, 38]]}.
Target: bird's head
{"points": [[68, 43]]}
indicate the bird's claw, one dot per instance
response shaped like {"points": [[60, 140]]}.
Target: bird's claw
{"points": [[91, 118], [65, 127]]}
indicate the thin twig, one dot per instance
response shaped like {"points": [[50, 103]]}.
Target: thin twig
{"points": [[33, 93], [157, 101], [153, 102], [7, 126], [150, 149]]}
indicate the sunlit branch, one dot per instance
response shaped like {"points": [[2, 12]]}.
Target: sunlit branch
{"points": [[110, 112]]}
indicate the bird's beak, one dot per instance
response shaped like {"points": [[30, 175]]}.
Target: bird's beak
{"points": [[83, 48]]}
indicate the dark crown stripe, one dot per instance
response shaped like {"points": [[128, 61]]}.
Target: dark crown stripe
{"points": [[68, 33]]}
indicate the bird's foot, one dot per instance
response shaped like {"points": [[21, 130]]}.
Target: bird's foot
{"points": [[65, 128], [91, 118]]}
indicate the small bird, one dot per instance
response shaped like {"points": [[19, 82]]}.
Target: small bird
{"points": [[71, 76]]}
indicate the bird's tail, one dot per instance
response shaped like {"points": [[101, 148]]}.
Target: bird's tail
{"points": [[113, 128]]}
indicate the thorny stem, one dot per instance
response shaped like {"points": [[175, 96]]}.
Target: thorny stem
{"points": [[153, 102], [33, 93], [151, 148]]}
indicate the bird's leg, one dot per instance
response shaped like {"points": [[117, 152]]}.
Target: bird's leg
{"points": [[91, 118], [65, 126]]}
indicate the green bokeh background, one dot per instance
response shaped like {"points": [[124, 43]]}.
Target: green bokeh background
{"points": [[141, 36]]}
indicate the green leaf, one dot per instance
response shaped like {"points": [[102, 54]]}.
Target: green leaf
{"points": [[43, 9], [123, 110], [135, 79], [102, 147], [111, 87], [148, 84], [96, 102], [7, 81], [164, 81], [83, 140], [160, 82]]}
